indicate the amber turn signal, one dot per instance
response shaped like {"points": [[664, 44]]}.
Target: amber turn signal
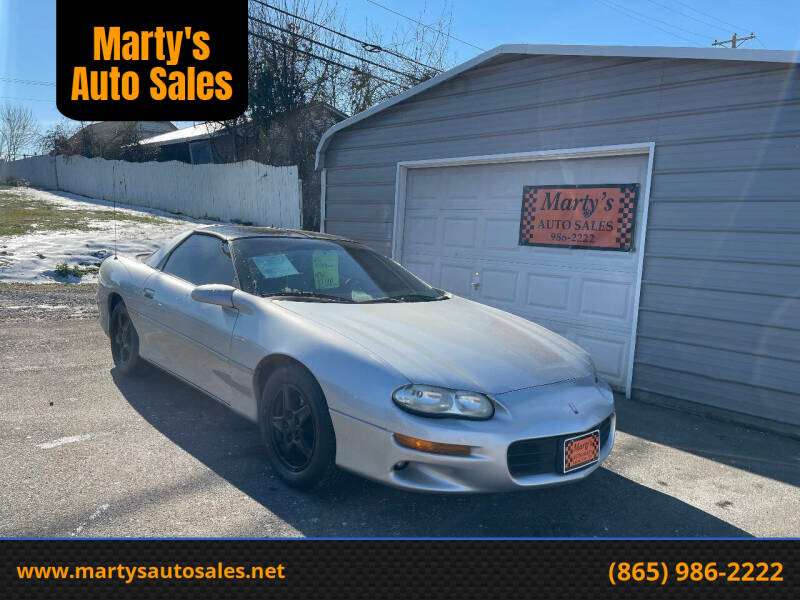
{"points": [[432, 447]]}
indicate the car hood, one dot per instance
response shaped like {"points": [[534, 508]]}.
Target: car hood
{"points": [[454, 343]]}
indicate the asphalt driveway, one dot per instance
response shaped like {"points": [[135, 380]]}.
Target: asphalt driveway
{"points": [[84, 452]]}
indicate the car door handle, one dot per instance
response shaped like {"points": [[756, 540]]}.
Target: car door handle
{"points": [[149, 292]]}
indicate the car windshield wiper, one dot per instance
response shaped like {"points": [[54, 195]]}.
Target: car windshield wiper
{"points": [[421, 298], [308, 295], [405, 298], [379, 300]]}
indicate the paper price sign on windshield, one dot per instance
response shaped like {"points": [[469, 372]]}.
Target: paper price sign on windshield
{"points": [[326, 270]]}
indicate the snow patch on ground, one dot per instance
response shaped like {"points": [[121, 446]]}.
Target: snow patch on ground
{"points": [[65, 440], [40, 306], [92, 517], [32, 257]]}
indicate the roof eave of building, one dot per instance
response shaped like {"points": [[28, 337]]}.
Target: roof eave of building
{"points": [[691, 53]]}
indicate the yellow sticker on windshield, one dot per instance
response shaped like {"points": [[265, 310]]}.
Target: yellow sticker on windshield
{"points": [[326, 269]]}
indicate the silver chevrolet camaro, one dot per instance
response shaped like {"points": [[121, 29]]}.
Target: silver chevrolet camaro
{"points": [[344, 358]]}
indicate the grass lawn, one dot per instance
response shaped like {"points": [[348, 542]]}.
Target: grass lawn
{"points": [[20, 214]]}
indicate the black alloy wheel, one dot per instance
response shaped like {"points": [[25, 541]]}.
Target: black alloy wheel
{"points": [[297, 429], [294, 434], [124, 341]]}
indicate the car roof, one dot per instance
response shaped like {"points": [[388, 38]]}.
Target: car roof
{"points": [[234, 232]]}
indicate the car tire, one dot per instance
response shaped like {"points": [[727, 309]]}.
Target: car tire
{"points": [[296, 428], [124, 341]]}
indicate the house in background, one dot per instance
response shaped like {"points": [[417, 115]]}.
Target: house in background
{"points": [[291, 139], [104, 131], [190, 144]]}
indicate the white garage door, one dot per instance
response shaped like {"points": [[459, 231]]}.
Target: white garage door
{"points": [[461, 221]]}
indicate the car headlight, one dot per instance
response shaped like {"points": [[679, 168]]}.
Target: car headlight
{"points": [[432, 401]]}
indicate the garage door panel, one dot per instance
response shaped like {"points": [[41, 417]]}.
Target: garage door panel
{"points": [[608, 352], [460, 204], [560, 301], [455, 278], [499, 285], [570, 259], [460, 232], [507, 206], [463, 220], [548, 291], [609, 349], [420, 230], [560, 327], [554, 260], [422, 188], [504, 183], [502, 234], [606, 299]]}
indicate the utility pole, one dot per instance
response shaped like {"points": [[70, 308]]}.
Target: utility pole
{"points": [[735, 42]]}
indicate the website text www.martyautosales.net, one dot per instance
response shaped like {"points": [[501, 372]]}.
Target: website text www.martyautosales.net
{"points": [[129, 574]]}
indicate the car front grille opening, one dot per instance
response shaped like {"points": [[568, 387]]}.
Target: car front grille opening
{"points": [[539, 456]]}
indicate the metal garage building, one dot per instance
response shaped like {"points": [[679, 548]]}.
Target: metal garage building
{"points": [[693, 299]]}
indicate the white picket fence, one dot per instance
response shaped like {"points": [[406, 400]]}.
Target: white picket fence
{"points": [[245, 191]]}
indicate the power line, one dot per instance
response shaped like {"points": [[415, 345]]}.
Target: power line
{"points": [[368, 46], [308, 39], [648, 20], [26, 81], [316, 56], [711, 16], [731, 41], [439, 31], [688, 16], [667, 23], [627, 12]]}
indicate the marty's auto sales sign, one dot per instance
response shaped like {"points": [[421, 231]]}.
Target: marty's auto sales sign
{"points": [[151, 60], [597, 216]]}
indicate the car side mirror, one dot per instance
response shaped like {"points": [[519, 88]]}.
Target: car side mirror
{"points": [[214, 293]]}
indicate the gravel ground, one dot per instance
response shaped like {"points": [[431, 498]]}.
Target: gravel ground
{"points": [[25, 302], [87, 452]]}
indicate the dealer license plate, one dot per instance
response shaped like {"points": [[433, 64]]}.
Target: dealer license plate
{"points": [[581, 450]]}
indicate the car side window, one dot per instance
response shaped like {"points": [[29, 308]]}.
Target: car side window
{"points": [[202, 259]]}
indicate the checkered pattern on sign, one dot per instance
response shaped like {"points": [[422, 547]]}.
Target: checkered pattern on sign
{"points": [[528, 225], [569, 450], [625, 218]]}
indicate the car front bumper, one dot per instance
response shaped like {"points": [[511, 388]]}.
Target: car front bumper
{"points": [[553, 411]]}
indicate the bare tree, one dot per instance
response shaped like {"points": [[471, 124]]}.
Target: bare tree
{"points": [[18, 130], [293, 59], [302, 57], [119, 140], [56, 140], [301, 53], [410, 54]]}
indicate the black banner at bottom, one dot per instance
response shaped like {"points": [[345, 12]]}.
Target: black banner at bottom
{"points": [[425, 569]]}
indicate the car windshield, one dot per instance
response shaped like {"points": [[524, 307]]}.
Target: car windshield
{"points": [[315, 270]]}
